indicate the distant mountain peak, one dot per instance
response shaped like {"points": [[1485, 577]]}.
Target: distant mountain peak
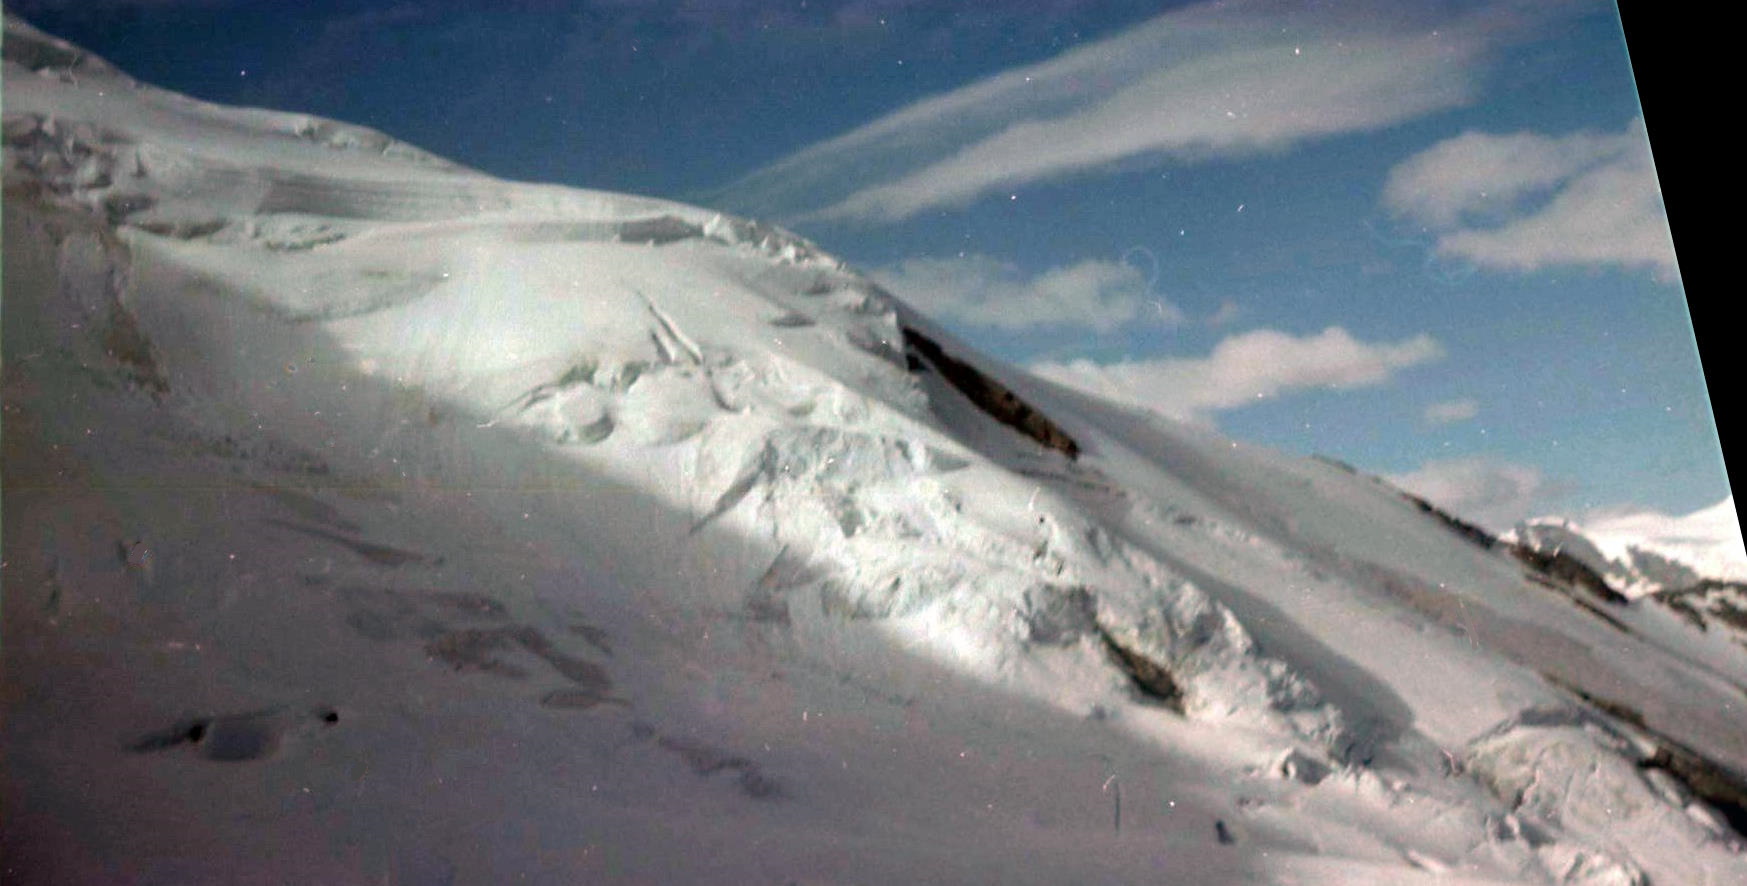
{"points": [[1642, 552]]}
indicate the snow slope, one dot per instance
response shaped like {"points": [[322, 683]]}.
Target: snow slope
{"points": [[368, 518]]}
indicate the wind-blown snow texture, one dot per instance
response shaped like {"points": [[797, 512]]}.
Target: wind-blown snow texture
{"points": [[370, 518]]}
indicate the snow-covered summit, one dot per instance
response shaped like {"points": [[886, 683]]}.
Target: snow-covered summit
{"points": [[372, 518], [1643, 552]]}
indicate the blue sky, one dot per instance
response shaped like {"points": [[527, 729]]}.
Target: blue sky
{"points": [[1422, 237]]}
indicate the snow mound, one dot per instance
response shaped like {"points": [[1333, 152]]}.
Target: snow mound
{"points": [[1598, 785]]}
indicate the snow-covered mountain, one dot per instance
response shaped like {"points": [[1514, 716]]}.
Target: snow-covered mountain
{"points": [[1691, 565], [1643, 552], [371, 519]]}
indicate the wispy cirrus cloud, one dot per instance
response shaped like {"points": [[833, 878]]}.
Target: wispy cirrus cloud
{"points": [[1245, 368], [1211, 79], [1525, 201], [977, 290]]}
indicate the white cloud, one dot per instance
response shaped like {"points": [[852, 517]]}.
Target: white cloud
{"points": [[981, 291], [1245, 368], [1451, 411], [1523, 202], [1228, 313], [1474, 171], [1211, 79], [1494, 494]]}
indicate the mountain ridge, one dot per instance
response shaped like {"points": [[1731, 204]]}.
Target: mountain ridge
{"points": [[1643, 552]]}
